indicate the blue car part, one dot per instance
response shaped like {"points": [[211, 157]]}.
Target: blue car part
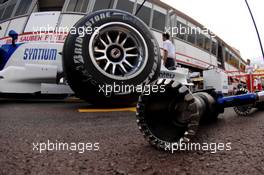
{"points": [[6, 51]]}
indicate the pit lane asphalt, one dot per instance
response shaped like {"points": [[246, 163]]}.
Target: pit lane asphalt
{"points": [[123, 149]]}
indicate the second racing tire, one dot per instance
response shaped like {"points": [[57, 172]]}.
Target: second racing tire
{"points": [[112, 52], [245, 109]]}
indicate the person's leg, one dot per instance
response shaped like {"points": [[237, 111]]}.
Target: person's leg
{"points": [[169, 63], [249, 85]]}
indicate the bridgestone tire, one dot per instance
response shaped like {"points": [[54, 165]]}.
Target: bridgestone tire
{"points": [[87, 71]]}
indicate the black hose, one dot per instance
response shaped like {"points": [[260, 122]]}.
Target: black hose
{"points": [[255, 28], [140, 7]]}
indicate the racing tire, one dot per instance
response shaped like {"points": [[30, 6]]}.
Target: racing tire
{"points": [[245, 109], [116, 49], [168, 117]]}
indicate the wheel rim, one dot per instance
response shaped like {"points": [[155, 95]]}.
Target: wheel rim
{"points": [[118, 51], [245, 109]]}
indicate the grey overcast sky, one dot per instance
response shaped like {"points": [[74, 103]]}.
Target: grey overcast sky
{"points": [[230, 20]]}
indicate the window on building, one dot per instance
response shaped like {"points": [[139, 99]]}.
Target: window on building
{"points": [[3, 1], [220, 56], [226, 56], [144, 13], [207, 44], [1, 12], [191, 38], [49, 5], [23, 7], [78, 6], [200, 40], [191, 35], [103, 4], [8, 11], [125, 5], [229, 58], [159, 20], [234, 61], [214, 48], [237, 63], [181, 30]]}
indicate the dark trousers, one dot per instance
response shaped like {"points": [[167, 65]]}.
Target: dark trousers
{"points": [[170, 63]]}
